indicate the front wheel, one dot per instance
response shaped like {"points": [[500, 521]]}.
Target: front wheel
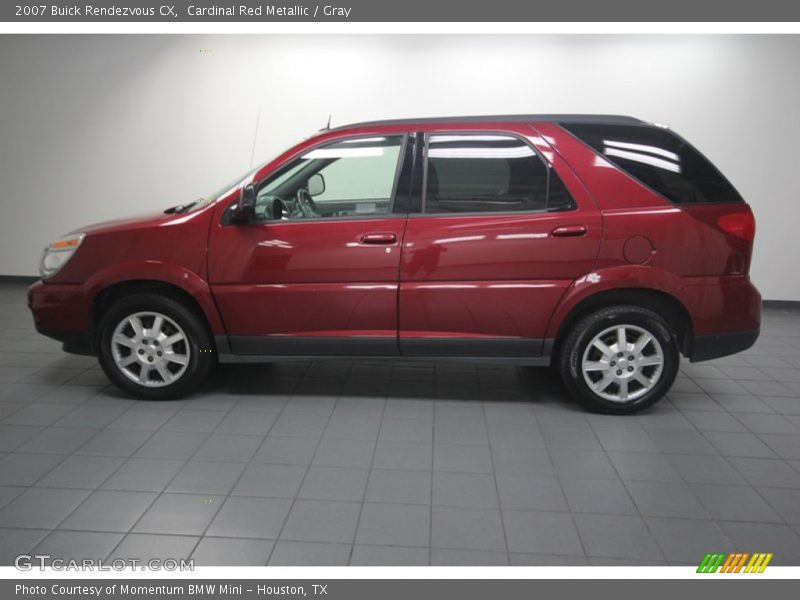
{"points": [[619, 360], [154, 347]]}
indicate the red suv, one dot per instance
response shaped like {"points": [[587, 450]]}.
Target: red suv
{"points": [[602, 245]]}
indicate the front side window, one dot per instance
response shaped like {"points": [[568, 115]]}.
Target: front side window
{"points": [[347, 178], [468, 173]]}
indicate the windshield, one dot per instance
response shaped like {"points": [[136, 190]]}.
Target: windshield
{"points": [[235, 183], [210, 198]]}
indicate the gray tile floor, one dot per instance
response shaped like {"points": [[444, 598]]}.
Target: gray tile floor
{"points": [[396, 463]]}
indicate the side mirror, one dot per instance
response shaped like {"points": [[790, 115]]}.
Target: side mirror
{"points": [[316, 184], [246, 209]]}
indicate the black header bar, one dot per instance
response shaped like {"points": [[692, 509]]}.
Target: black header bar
{"points": [[253, 11]]}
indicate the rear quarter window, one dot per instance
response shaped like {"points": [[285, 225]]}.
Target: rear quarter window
{"points": [[660, 160]]}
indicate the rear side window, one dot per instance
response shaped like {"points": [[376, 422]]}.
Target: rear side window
{"points": [[659, 159], [468, 173]]}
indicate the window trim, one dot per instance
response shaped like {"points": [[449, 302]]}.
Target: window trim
{"points": [[225, 219], [410, 197], [515, 135]]}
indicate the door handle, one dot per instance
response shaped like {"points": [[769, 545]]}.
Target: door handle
{"points": [[569, 231], [378, 239]]}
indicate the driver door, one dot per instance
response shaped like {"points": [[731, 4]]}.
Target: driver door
{"points": [[322, 278]]}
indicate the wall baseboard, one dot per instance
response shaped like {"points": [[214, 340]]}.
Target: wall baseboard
{"points": [[781, 304], [28, 279], [18, 279]]}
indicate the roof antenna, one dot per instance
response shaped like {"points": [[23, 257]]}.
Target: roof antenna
{"points": [[328, 126]]}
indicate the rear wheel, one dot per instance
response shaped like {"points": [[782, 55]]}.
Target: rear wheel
{"points": [[154, 347], [619, 360]]}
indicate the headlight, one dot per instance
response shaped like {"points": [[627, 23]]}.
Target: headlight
{"points": [[58, 253]]}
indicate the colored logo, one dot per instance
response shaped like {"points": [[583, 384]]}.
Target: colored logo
{"points": [[736, 562]]}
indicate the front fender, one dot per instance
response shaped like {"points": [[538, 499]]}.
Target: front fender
{"points": [[164, 272]]}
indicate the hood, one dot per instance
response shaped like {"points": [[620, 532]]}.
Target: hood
{"points": [[142, 221]]}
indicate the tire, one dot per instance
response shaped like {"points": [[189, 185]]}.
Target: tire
{"points": [[176, 360], [603, 381]]}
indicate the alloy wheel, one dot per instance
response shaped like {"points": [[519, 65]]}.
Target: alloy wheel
{"points": [[622, 363], [150, 349]]}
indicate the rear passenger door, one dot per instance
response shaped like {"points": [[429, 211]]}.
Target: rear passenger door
{"points": [[498, 239]]}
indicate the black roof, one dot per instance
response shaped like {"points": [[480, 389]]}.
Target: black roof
{"points": [[557, 118]]}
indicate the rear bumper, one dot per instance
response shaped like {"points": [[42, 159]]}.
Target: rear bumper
{"points": [[706, 347], [719, 305], [61, 312], [725, 313]]}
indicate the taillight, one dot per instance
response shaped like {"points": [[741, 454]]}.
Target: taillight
{"points": [[739, 224]]}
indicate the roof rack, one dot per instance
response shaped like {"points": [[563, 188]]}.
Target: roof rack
{"points": [[558, 118]]}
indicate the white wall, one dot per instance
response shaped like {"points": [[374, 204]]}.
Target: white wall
{"points": [[95, 127]]}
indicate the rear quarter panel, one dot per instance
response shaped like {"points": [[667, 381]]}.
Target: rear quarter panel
{"points": [[652, 244]]}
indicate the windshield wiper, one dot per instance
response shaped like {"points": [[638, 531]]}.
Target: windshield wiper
{"points": [[181, 208]]}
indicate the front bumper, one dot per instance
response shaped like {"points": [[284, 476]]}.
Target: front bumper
{"points": [[61, 312], [706, 347], [72, 342]]}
